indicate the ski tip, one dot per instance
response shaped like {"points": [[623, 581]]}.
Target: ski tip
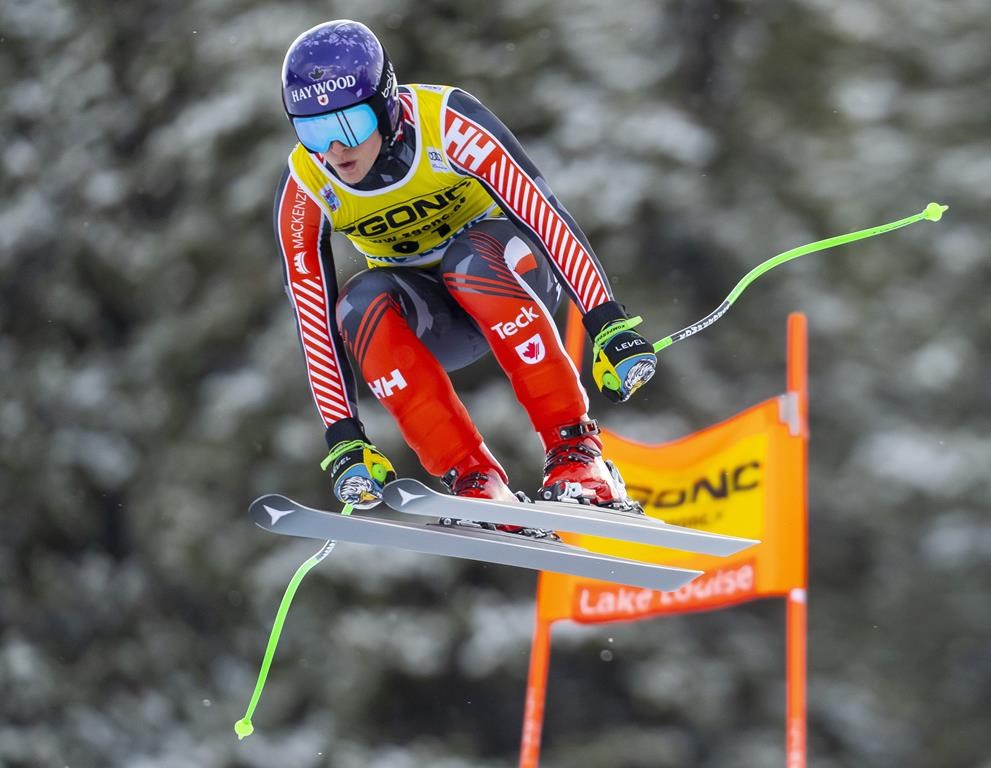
{"points": [[267, 510], [268, 498], [402, 491]]}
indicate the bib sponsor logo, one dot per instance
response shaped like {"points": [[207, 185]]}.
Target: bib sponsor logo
{"points": [[436, 158], [330, 197], [411, 214], [532, 350]]}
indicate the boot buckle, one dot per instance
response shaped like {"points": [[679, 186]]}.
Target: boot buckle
{"points": [[582, 428], [566, 491], [448, 479]]}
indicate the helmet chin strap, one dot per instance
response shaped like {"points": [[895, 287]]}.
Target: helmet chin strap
{"points": [[396, 147]]}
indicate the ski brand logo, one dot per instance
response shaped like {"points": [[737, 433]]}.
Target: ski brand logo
{"points": [[384, 386], [277, 514], [522, 320], [321, 89], [467, 145], [300, 261], [405, 497], [532, 350]]}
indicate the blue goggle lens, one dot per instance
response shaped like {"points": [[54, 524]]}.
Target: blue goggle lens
{"points": [[349, 126]]}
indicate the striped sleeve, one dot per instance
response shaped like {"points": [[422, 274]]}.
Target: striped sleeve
{"points": [[478, 144], [303, 236]]}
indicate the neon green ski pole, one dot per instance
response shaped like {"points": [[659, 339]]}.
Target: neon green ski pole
{"points": [[932, 212], [243, 727]]}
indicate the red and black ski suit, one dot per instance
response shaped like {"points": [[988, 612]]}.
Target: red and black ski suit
{"points": [[494, 287]]}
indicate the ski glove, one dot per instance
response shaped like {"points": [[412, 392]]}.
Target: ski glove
{"points": [[622, 359], [358, 469]]}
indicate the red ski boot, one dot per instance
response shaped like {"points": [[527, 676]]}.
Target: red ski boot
{"points": [[480, 476], [575, 471]]}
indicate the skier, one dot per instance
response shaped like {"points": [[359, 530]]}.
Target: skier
{"points": [[467, 250]]}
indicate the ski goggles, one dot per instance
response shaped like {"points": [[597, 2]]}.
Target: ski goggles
{"points": [[349, 126]]}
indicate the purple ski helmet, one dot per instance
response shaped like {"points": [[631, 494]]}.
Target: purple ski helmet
{"points": [[336, 65]]}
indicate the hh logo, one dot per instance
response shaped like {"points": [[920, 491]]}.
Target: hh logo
{"points": [[467, 144], [384, 387], [532, 350]]}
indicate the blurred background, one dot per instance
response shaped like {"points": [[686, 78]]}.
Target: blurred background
{"points": [[151, 385]]}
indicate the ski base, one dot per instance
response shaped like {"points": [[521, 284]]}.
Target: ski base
{"points": [[282, 515]]}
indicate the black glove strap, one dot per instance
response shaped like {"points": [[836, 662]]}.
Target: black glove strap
{"points": [[345, 429], [596, 319]]}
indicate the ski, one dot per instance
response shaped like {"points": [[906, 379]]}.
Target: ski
{"points": [[279, 514], [413, 497]]}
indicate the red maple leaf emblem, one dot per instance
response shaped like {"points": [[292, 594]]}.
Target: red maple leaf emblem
{"points": [[532, 349]]}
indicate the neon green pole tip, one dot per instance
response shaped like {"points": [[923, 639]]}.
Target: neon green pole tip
{"points": [[243, 728], [935, 211]]}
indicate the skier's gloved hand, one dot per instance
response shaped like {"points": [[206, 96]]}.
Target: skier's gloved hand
{"points": [[358, 469], [622, 359]]}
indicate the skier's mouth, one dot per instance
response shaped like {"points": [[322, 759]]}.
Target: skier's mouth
{"points": [[348, 166]]}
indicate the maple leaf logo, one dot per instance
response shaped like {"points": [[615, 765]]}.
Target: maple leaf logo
{"points": [[532, 350]]}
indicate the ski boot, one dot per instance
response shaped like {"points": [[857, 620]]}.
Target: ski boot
{"points": [[574, 470], [480, 476]]}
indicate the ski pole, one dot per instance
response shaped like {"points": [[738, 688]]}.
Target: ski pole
{"points": [[932, 212], [243, 727]]}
